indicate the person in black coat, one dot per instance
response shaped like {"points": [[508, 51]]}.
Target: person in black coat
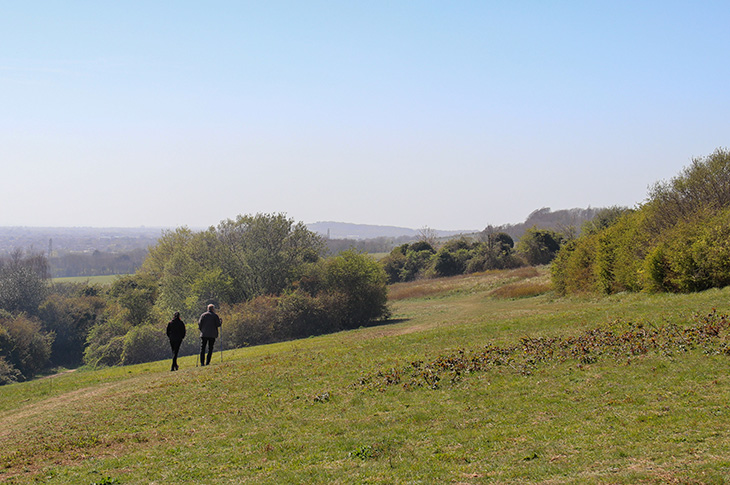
{"points": [[208, 325], [176, 334]]}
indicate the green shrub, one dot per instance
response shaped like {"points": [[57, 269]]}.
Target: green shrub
{"points": [[417, 262], [70, 318], [24, 345], [145, 343], [618, 263], [299, 314], [539, 246], [572, 270], [8, 373], [250, 323], [362, 283], [445, 263], [393, 265], [105, 342], [676, 241], [694, 255]]}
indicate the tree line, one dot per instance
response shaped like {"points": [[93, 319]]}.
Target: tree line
{"points": [[274, 280], [491, 250], [96, 263], [267, 275], [676, 241]]}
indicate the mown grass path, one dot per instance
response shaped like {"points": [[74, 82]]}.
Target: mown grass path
{"points": [[297, 412]]}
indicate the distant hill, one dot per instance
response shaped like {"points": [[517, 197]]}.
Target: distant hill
{"points": [[564, 221], [345, 230]]}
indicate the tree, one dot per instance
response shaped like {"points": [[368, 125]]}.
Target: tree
{"points": [[265, 253], [136, 295], [23, 282], [539, 246], [701, 187], [603, 219], [362, 282], [676, 241], [23, 344], [445, 263], [70, 318], [495, 252], [428, 236], [235, 262], [105, 343]]}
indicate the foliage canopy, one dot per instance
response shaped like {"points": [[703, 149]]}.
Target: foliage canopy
{"points": [[676, 241]]}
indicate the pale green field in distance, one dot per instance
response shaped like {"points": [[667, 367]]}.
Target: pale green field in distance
{"points": [[379, 256], [92, 280], [552, 403]]}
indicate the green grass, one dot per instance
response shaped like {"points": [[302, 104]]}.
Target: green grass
{"points": [[296, 412], [98, 280]]}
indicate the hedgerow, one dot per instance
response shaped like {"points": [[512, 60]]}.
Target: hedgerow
{"points": [[677, 241]]}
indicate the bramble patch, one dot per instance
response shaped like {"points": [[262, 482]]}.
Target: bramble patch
{"points": [[619, 339]]}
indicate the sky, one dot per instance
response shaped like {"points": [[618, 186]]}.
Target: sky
{"points": [[419, 114]]}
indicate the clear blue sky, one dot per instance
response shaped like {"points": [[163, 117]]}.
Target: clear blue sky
{"points": [[448, 115]]}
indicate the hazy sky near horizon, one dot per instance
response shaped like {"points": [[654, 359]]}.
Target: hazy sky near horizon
{"points": [[448, 115]]}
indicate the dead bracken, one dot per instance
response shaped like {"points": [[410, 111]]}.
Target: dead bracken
{"points": [[619, 340]]}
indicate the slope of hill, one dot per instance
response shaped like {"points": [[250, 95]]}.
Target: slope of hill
{"points": [[365, 406]]}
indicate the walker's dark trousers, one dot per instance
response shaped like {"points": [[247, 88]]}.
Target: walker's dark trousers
{"points": [[175, 344], [210, 342]]}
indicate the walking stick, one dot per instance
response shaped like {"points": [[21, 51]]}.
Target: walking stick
{"points": [[221, 340]]}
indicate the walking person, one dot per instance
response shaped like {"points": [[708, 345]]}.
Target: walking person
{"points": [[208, 325], [176, 334]]}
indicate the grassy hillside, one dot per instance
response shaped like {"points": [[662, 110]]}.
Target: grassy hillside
{"points": [[345, 408]]}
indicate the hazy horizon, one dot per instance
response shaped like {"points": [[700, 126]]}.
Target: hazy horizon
{"points": [[442, 115]]}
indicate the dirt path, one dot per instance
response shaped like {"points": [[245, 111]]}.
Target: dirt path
{"points": [[58, 374]]}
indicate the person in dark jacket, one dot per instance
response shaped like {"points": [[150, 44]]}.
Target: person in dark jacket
{"points": [[176, 334], [208, 325]]}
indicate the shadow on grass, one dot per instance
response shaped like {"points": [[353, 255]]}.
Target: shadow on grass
{"points": [[390, 321]]}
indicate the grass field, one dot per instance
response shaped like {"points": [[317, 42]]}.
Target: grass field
{"points": [[345, 408], [92, 280]]}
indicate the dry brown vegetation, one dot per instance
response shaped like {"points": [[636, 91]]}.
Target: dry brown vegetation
{"points": [[517, 283]]}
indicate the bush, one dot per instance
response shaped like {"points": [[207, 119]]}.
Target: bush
{"points": [[362, 283], [416, 264], [677, 241], [693, 256], [145, 343], [70, 318], [619, 256], [24, 345], [539, 246], [572, 269], [446, 263], [393, 265], [8, 373], [23, 282], [299, 314], [250, 323], [105, 342]]}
